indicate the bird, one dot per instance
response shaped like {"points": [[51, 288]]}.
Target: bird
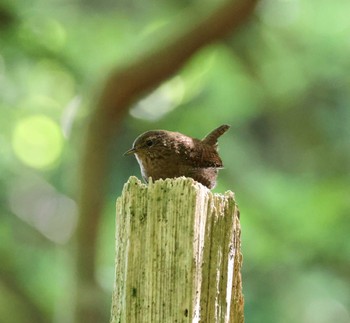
{"points": [[166, 154]]}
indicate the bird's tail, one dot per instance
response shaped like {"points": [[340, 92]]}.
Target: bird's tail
{"points": [[212, 137]]}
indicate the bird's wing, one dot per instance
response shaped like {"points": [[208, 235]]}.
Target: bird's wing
{"points": [[203, 157]]}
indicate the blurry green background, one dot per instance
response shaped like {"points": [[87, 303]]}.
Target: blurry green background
{"points": [[282, 83]]}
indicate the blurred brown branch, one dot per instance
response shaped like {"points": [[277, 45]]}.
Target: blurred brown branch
{"points": [[7, 17], [124, 87]]}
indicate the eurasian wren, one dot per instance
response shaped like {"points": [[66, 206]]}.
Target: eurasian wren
{"points": [[167, 154]]}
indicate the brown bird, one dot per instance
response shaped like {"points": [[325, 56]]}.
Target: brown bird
{"points": [[166, 154]]}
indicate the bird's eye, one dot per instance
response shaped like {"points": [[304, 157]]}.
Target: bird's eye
{"points": [[149, 142]]}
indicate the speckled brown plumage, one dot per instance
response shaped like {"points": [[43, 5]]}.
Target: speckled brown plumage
{"points": [[167, 154]]}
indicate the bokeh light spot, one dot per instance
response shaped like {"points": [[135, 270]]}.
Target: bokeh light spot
{"points": [[161, 101], [37, 141], [45, 31]]}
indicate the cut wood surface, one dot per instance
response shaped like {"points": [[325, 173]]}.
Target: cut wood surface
{"points": [[178, 254]]}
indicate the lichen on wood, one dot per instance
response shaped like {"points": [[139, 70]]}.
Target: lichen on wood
{"points": [[178, 254]]}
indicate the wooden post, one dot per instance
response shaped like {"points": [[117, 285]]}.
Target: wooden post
{"points": [[178, 254]]}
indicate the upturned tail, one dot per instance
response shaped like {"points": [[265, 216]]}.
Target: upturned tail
{"points": [[212, 137]]}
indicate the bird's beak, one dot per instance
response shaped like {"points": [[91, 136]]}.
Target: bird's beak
{"points": [[130, 151]]}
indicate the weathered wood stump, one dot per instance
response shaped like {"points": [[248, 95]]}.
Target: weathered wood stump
{"points": [[178, 254]]}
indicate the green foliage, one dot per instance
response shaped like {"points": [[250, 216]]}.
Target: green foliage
{"points": [[282, 83]]}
